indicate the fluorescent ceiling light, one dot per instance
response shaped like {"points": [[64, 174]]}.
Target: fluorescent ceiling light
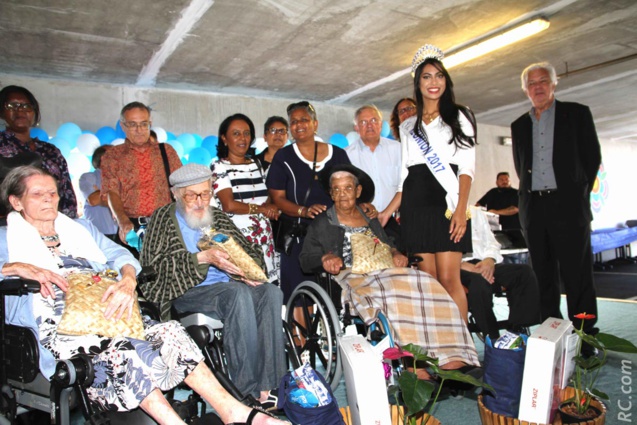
{"points": [[502, 39]]}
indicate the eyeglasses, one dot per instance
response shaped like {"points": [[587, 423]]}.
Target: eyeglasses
{"points": [[302, 104], [406, 109], [17, 106], [281, 131], [348, 190], [192, 196], [543, 82], [373, 121], [144, 125]]}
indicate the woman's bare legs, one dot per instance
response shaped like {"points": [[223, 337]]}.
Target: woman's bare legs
{"points": [[229, 409], [445, 267], [156, 405]]}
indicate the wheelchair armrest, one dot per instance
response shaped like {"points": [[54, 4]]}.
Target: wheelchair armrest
{"points": [[414, 260], [19, 286], [147, 275]]}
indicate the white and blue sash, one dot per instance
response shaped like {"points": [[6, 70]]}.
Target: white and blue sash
{"points": [[441, 170]]}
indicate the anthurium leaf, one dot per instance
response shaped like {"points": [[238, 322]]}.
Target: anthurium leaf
{"points": [[456, 375], [590, 339], [613, 343], [588, 364], [597, 393], [416, 392], [419, 354]]}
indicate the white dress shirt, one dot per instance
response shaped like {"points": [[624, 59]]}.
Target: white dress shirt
{"points": [[484, 243], [382, 165]]}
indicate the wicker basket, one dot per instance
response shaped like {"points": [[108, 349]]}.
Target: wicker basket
{"points": [[396, 415], [490, 418]]}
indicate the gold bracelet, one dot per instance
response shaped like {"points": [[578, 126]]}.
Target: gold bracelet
{"points": [[449, 214], [252, 208], [300, 212]]}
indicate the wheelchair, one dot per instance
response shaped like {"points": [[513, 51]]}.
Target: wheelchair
{"points": [[315, 318], [207, 333], [26, 390]]}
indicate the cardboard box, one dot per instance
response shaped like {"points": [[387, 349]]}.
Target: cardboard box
{"points": [[365, 380], [544, 367]]}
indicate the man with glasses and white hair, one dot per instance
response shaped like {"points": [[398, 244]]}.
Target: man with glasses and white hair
{"points": [[380, 158], [557, 155], [207, 282], [135, 173]]}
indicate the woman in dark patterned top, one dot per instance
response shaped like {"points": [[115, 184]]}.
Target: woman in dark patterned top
{"points": [[20, 111]]}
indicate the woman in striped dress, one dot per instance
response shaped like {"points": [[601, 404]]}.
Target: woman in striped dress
{"points": [[240, 191]]}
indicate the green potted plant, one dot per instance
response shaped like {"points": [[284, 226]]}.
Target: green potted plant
{"points": [[417, 393], [587, 369]]}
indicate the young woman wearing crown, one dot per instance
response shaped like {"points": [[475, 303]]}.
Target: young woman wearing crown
{"points": [[438, 160]]}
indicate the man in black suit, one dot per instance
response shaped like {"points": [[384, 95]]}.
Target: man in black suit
{"points": [[557, 155]]}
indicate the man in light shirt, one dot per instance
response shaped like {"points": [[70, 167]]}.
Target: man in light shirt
{"points": [[380, 158]]}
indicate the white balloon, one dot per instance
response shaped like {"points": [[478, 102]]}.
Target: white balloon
{"points": [[117, 142], [78, 164], [162, 136], [87, 143], [260, 144], [352, 137]]}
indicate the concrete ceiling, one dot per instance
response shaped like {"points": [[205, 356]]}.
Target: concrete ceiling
{"points": [[347, 52]]}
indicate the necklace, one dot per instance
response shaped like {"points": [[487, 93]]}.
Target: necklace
{"points": [[429, 117], [54, 238]]}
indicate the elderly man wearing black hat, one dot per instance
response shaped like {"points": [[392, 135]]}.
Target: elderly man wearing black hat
{"points": [[417, 306], [208, 282]]}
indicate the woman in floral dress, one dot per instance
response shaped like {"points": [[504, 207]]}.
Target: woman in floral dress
{"points": [[240, 191]]}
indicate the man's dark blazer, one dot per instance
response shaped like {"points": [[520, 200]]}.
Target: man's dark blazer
{"points": [[576, 160]]}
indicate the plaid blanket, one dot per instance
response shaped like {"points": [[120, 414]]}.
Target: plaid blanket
{"points": [[418, 308]]}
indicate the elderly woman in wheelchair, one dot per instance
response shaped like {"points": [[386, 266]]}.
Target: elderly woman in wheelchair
{"points": [[418, 308], [41, 244]]}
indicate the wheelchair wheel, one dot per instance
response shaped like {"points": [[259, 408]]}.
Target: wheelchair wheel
{"points": [[294, 361], [314, 332]]}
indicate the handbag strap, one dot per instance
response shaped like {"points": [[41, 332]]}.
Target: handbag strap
{"points": [[164, 158], [309, 187]]}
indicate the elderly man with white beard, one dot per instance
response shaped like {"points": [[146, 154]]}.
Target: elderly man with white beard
{"points": [[199, 281]]}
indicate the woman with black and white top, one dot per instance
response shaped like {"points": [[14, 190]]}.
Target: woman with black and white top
{"points": [[239, 187]]}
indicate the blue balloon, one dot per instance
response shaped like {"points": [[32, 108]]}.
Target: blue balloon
{"points": [[188, 141], [106, 135], [179, 148], [339, 140], [210, 143], [385, 130], [119, 132], [199, 156], [171, 136], [198, 139], [63, 145], [38, 133], [70, 132]]}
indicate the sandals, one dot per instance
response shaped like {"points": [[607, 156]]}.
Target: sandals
{"points": [[270, 404], [254, 412]]}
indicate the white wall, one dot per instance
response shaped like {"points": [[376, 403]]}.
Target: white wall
{"points": [[491, 158], [92, 105]]}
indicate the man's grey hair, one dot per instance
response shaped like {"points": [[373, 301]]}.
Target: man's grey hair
{"points": [[133, 105], [362, 108], [524, 78]]}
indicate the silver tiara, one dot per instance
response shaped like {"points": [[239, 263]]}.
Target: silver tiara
{"points": [[425, 52]]}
